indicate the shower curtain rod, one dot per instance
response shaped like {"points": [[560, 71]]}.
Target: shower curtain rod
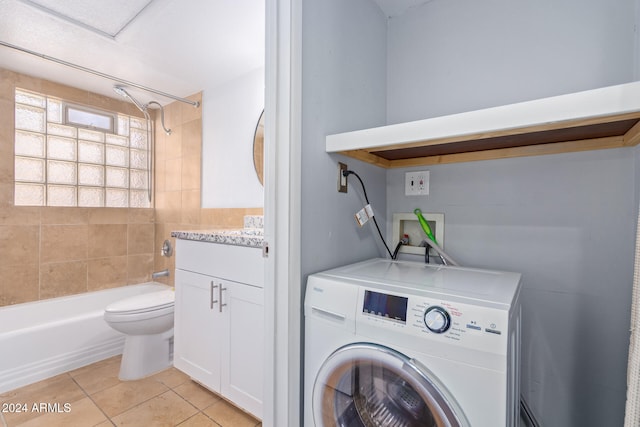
{"points": [[196, 104]]}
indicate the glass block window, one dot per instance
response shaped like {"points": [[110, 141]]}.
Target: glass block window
{"points": [[70, 155]]}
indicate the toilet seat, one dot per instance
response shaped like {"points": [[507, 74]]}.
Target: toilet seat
{"points": [[145, 303]]}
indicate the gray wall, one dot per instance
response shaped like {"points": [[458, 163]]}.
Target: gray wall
{"points": [[452, 56], [343, 85], [565, 221]]}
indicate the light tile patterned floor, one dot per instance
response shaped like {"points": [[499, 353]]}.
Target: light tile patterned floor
{"points": [[94, 396]]}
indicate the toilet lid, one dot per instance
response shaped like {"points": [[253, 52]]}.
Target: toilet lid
{"points": [[143, 303]]}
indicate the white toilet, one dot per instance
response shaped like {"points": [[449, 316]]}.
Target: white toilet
{"points": [[147, 321]]}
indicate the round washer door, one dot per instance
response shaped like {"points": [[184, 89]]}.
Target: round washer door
{"points": [[367, 385]]}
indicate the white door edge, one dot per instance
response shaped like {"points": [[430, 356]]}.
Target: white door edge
{"points": [[282, 212]]}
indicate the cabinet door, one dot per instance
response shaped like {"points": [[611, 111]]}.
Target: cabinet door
{"points": [[198, 328], [243, 354]]}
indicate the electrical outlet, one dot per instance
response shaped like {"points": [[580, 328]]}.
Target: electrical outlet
{"points": [[416, 183], [342, 180]]}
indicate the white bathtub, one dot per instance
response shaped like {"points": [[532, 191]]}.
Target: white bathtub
{"points": [[44, 338]]}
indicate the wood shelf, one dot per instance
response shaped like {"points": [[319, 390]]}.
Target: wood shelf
{"points": [[596, 119]]}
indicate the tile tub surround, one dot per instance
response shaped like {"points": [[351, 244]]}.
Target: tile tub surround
{"points": [[55, 251], [178, 184], [49, 252], [43, 254], [96, 397]]}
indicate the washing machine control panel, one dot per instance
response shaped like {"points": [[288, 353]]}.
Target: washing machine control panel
{"points": [[411, 316]]}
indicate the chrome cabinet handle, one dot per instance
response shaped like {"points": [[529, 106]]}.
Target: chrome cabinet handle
{"points": [[221, 304], [213, 301]]}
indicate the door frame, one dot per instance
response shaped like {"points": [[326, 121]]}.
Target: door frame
{"points": [[282, 213]]}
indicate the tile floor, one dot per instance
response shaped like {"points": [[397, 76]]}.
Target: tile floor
{"points": [[94, 396]]}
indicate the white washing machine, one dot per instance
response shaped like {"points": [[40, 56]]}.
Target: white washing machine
{"points": [[406, 344]]}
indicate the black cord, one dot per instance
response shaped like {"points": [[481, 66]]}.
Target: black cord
{"points": [[395, 252], [350, 172]]}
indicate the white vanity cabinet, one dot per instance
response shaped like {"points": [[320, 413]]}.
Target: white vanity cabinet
{"points": [[219, 319]]}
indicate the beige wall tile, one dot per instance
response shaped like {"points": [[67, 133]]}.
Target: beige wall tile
{"points": [[173, 116], [27, 82], [210, 216], [65, 92], [63, 278], [6, 194], [190, 213], [173, 177], [160, 175], [19, 244], [7, 82], [141, 239], [7, 118], [141, 216], [106, 273], [20, 283], [108, 216], [168, 206], [139, 268], [173, 143], [20, 215], [190, 168], [7, 132], [63, 242], [160, 141], [163, 232], [192, 138], [54, 215], [107, 240]]}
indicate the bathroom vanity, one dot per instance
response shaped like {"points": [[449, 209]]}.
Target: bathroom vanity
{"points": [[219, 313]]}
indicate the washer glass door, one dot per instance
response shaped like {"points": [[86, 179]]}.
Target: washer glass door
{"points": [[367, 385]]}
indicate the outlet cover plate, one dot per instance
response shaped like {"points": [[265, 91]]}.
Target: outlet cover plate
{"points": [[342, 180], [416, 183]]}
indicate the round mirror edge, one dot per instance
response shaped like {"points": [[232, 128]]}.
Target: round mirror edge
{"points": [[258, 148]]}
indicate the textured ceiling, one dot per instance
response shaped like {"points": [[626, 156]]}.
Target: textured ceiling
{"points": [[393, 8], [175, 46], [105, 17]]}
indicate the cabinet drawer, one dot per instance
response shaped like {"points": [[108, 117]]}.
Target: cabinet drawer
{"points": [[238, 263]]}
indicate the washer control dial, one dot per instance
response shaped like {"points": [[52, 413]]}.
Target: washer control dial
{"points": [[436, 319]]}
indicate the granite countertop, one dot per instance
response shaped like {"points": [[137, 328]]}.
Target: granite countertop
{"points": [[252, 237]]}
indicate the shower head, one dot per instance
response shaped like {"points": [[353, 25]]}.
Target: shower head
{"points": [[123, 93]]}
